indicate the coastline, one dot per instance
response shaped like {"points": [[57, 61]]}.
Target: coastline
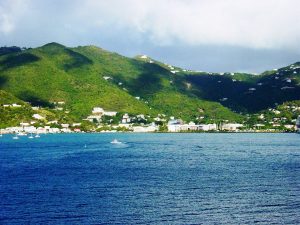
{"points": [[161, 132]]}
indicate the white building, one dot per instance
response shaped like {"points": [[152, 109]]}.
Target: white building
{"points": [[174, 126], [16, 105], [143, 129], [208, 127], [29, 129], [126, 118], [232, 126], [97, 111], [38, 116], [290, 126], [52, 122], [110, 113]]}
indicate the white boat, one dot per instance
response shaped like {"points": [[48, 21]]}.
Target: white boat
{"points": [[37, 136], [115, 141], [22, 134], [30, 136], [15, 137]]}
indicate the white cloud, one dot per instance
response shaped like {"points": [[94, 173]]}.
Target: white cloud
{"points": [[246, 23], [6, 25], [10, 12], [272, 24]]}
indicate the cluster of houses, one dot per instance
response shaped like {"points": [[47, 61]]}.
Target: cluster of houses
{"points": [[29, 129], [173, 125], [142, 123], [127, 122], [276, 118]]}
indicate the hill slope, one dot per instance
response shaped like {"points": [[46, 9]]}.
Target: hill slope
{"points": [[252, 94], [88, 76]]}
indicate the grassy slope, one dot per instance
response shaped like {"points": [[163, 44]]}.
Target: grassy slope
{"points": [[55, 73], [8, 98], [154, 84], [10, 116], [75, 75]]}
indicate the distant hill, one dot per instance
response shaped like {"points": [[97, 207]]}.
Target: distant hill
{"points": [[249, 93], [88, 76]]}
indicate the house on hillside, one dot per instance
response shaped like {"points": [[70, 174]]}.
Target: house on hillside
{"points": [[126, 118], [38, 116], [97, 114], [16, 105], [97, 111], [110, 113]]}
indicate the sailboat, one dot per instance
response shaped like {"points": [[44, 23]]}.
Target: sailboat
{"points": [[15, 137], [30, 136], [37, 135]]}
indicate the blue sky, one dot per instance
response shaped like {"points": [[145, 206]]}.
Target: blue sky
{"points": [[207, 35]]}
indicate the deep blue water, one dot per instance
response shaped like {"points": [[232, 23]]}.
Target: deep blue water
{"points": [[150, 179]]}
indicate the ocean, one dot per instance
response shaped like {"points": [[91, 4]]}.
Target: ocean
{"points": [[150, 179]]}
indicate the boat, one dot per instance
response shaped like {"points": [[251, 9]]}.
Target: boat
{"points": [[22, 134], [298, 124], [115, 141], [37, 136], [15, 137], [30, 136]]}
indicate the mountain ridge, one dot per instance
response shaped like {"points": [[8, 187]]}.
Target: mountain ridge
{"points": [[88, 76]]}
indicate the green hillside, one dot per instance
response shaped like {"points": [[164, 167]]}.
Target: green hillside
{"points": [[88, 76], [54, 73], [11, 116], [248, 93]]}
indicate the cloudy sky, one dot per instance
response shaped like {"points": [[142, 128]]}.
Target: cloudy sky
{"points": [[209, 35]]}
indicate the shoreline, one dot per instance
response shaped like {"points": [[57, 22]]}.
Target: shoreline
{"points": [[127, 132]]}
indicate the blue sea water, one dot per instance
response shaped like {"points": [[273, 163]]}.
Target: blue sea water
{"points": [[150, 179]]}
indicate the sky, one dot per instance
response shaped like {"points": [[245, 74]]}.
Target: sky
{"points": [[207, 35]]}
